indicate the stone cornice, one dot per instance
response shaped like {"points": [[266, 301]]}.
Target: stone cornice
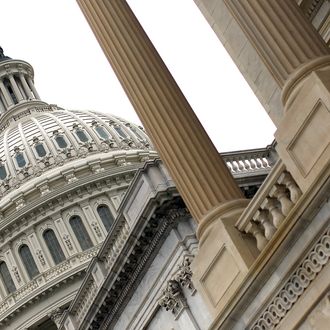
{"points": [[128, 248]]}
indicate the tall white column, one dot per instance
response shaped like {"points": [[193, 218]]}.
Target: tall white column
{"points": [[31, 84], [26, 86], [6, 95], [16, 90]]}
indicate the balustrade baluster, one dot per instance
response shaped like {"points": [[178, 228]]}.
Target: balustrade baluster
{"points": [[281, 193], [258, 235], [289, 182], [271, 205], [263, 217]]}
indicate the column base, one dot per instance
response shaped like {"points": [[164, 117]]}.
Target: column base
{"points": [[303, 136], [223, 257]]}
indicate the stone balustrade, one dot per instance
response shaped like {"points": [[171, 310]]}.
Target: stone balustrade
{"points": [[249, 161], [270, 206]]}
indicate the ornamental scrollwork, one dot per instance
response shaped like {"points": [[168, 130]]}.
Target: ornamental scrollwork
{"points": [[172, 298], [295, 286], [184, 274]]}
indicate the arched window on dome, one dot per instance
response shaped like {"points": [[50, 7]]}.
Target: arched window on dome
{"points": [[82, 136], [80, 232], [102, 132], [106, 216], [61, 141], [28, 261], [120, 131], [19, 157], [80, 133], [137, 133], [3, 171], [6, 278], [39, 147], [54, 246]]}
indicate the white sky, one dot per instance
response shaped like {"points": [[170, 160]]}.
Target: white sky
{"points": [[72, 72]]}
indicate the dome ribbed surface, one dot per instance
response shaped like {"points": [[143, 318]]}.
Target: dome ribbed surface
{"points": [[50, 136]]}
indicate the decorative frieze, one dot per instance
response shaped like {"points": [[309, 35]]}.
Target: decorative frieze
{"points": [[172, 298], [296, 284], [184, 274]]}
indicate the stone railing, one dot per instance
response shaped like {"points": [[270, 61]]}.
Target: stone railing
{"points": [[249, 161], [35, 286], [87, 299], [116, 245], [270, 206]]}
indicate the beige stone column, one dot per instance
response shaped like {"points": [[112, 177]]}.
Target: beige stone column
{"points": [[299, 60], [195, 165], [281, 34], [201, 176]]}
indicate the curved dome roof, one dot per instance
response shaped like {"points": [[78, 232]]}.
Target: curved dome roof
{"points": [[46, 136]]}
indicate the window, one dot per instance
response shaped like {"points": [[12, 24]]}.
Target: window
{"points": [[106, 216], [53, 246], [120, 131], [80, 232], [6, 278], [81, 135], [102, 132], [3, 172], [137, 133], [40, 149], [28, 261], [20, 159], [60, 141]]}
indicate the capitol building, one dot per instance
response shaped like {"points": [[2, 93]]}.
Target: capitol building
{"points": [[108, 225]]}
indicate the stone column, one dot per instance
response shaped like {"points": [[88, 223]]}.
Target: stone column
{"points": [[31, 84], [17, 92], [6, 95], [298, 59], [26, 86], [281, 34], [201, 176]]}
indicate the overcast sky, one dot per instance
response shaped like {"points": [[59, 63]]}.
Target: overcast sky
{"points": [[71, 70]]}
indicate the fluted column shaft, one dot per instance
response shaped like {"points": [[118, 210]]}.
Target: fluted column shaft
{"points": [[201, 176], [17, 92], [26, 86], [31, 84], [281, 34], [6, 94]]}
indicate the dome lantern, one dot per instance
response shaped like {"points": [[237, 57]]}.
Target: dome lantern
{"points": [[16, 83]]}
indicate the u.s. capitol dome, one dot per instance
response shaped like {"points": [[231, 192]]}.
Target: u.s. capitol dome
{"points": [[62, 176]]}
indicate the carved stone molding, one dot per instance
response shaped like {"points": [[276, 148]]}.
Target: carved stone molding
{"points": [[56, 314], [172, 298], [184, 274], [297, 283]]}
